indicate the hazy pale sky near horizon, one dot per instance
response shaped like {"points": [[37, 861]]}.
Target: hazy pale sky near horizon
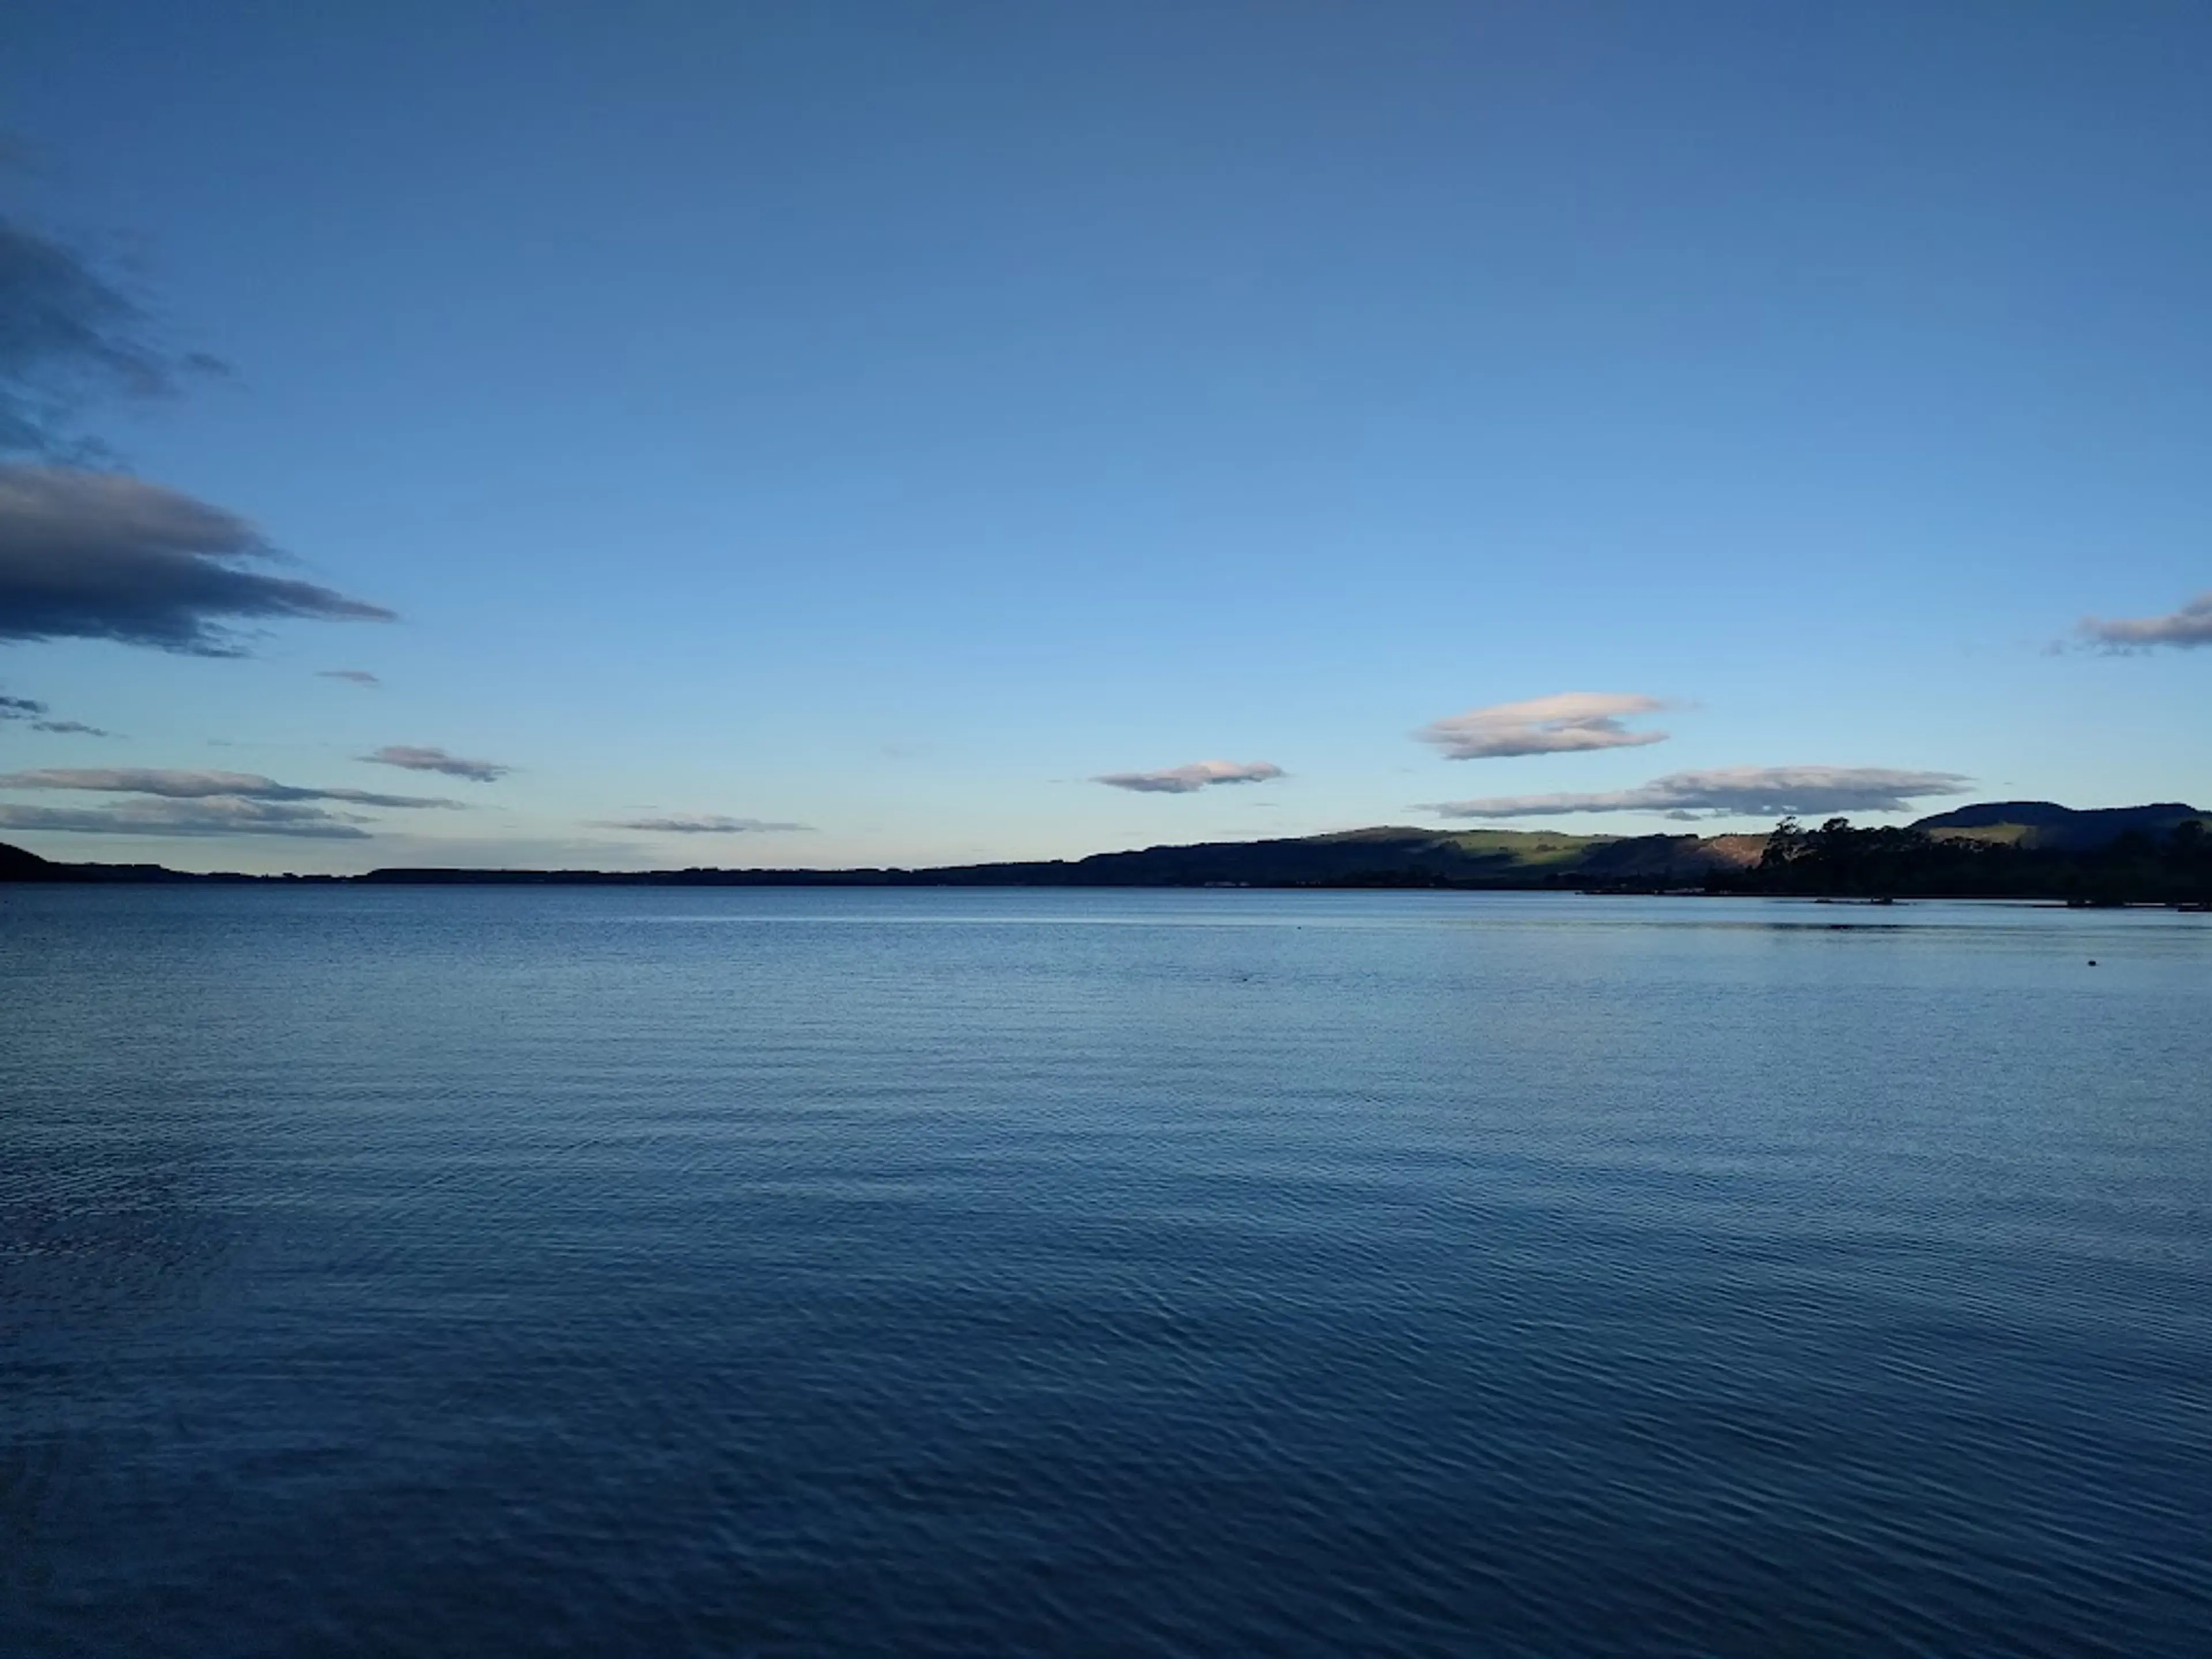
{"points": [[843, 434]]}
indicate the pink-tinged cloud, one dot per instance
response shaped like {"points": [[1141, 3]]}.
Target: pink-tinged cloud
{"points": [[1568, 723], [1188, 780]]}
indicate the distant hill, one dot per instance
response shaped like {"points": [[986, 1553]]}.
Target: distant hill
{"points": [[1469, 858], [1387, 856], [20, 864], [2048, 827], [16, 864], [1390, 856], [2003, 849]]}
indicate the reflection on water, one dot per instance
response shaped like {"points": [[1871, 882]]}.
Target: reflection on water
{"points": [[466, 1272]]}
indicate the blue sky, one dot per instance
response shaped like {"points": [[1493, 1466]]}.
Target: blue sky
{"points": [[891, 420]]}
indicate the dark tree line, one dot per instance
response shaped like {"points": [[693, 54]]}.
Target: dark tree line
{"points": [[1838, 861]]}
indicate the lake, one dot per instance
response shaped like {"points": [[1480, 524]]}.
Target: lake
{"points": [[657, 1271]]}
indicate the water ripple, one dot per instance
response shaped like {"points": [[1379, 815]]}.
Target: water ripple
{"points": [[604, 1272]]}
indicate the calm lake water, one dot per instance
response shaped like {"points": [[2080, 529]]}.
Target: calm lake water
{"points": [[483, 1272]]}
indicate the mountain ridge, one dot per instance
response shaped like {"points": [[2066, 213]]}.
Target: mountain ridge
{"points": [[2045, 824], [2000, 848]]}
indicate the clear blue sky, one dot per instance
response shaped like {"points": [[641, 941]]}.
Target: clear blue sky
{"points": [[891, 419]]}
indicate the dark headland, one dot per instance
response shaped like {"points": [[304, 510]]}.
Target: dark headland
{"points": [[2159, 854]]}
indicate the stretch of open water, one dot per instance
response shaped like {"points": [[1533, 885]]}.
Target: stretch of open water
{"points": [[603, 1273]]}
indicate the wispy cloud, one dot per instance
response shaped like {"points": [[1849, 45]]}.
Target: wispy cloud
{"points": [[76, 726], [1187, 780], [358, 676], [1567, 723], [414, 759], [223, 816], [1733, 791], [174, 802], [68, 334], [174, 784], [701, 824], [32, 713], [2191, 625], [98, 555]]}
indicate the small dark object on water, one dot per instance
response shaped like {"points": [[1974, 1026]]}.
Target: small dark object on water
{"points": [[2093, 961]]}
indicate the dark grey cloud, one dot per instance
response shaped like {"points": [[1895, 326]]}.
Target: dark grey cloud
{"points": [[221, 815], [2191, 625], [87, 554], [177, 784], [98, 555], [701, 824], [70, 335], [413, 759], [1188, 780], [358, 676], [20, 708], [78, 727], [1733, 791]]}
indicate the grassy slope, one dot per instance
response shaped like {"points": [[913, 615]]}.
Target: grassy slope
{"points": [[2002, 834]]}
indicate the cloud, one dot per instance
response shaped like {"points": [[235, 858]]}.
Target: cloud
{"points": [[1733, 791], [358, 676], [94, 554], [191, 803], [1565, 724], [97, 555], [180, 785], [221, 815], [31, 710], [2192, 625], [68, 334], [1187, 780], [437, 760], [701, 824]]}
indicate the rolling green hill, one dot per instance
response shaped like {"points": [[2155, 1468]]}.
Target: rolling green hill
{"points": [[2048, 827]]}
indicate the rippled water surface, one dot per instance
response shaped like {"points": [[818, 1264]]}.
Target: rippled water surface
{"points": [[485, 1271]]}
